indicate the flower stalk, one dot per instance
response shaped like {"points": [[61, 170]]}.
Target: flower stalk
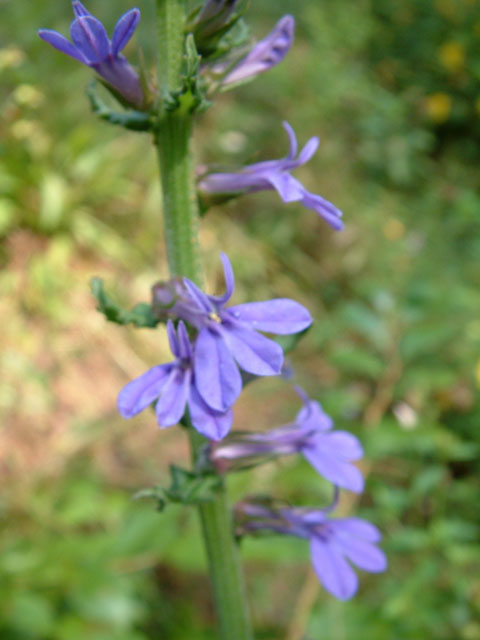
{"points": [[173, 139]]}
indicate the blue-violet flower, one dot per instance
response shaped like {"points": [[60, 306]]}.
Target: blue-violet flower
{"points": [[92, 47], [172, 387], [334, 543], [329, 452], [275, 175], [264, 55], [226, 335]]}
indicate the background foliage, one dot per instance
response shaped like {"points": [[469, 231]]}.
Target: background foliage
{"points": [[393, 89]]}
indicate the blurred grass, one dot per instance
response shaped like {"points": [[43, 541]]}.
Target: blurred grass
{"points": [[394, 355]]}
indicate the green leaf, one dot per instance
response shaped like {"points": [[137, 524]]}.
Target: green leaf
{"points": [[131, 119], [189, 488], [186, 487], [141, 315]]}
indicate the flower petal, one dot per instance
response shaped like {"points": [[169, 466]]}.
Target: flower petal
{"points": [[124, 29], [62, 44], [364, 554], [266, 54], [322, 458], [281, 316], [90, 37], [346, 445], [292, 139], [359, 528], [121, 75], [229, 282], [233, 182], [172, 339], [324, 208], [201, 299], [79, 10], [308, 150], [171, 405], [210, 423], [312, 416], [333, 571], [288, 188], [253, 352], [185, 348], [142, 391], [217, 377]]}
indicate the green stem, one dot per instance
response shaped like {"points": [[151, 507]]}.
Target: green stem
{"points": [[180, 208], [173, 138], [224, 562]]}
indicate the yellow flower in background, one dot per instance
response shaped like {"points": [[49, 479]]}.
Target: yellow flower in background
{"points": [[11, 57], [452, 56], [477, 373], [28, 96], [438, 106], [393, 229]]}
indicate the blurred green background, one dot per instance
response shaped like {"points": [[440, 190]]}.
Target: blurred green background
{"points": [[393, 90]]}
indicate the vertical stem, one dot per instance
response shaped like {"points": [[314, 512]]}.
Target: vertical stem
{"points": [[224, 562], [170, 22], [180, 208], [173, 138]]}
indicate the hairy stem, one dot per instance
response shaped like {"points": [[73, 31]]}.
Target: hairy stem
{"points": [[180, 208], [173, 139]]}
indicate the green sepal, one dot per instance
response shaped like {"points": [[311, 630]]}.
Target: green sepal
{"points": [[131, 119], [186, 487], [235, 38], [141, 315], [220, 41], [190, 97]]}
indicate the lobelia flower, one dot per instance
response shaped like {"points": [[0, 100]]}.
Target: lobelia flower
{"points": [[334, 543], [227, 336], [215, 14], [92, 47], [264, 55], [275, 175], [172, 387], [329, 452]]}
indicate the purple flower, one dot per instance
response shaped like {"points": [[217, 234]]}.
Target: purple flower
{"points": [[215, 14], [172, 387], [329, 452], [264, 55], [92, 47], [226, 336], [335, 544], [275, 174]]}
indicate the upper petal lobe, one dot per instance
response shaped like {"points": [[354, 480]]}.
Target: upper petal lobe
{"points": [[90, 38], [62, 44], [124, 29]]}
